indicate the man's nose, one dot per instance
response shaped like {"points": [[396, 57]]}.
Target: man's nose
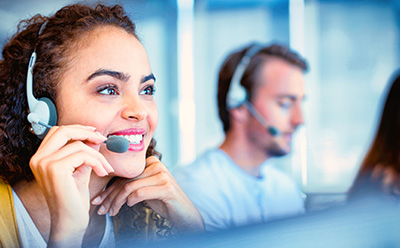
{"points": [[297, 115]]}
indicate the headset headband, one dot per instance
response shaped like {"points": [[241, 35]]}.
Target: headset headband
{"points": [[237, 93]]}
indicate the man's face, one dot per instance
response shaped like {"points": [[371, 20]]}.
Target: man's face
{"points": [[278, 97]]}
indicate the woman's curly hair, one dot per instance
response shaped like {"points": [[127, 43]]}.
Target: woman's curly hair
{"points": [[54, 49]]}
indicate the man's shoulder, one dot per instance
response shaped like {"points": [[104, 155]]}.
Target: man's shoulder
{"points": [[205, 163], [207, 172]]}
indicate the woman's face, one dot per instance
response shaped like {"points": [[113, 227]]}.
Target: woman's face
{"points": [[109, 85]]}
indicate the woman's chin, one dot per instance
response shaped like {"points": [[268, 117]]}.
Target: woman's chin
{"points": [[129, 171], [126, 165]]}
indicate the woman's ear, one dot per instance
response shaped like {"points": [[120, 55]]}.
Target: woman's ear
{"points": [[31, 131], [240, 114]]}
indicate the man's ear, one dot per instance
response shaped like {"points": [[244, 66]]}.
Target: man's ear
{"points": [[240, 114]]}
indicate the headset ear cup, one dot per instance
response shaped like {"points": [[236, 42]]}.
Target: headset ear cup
{"points": [[52, 113], [237, 94]]}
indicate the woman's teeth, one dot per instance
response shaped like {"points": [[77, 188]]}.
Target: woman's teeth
{"points": [[133, 139]]}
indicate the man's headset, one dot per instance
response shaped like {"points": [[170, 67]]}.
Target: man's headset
{"points": [[42, 112], [237, 95]]}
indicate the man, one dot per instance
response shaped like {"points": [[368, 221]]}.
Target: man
{"points": [[260, 93]]}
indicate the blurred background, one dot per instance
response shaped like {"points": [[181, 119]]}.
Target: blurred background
{"points": [[352, 48]]}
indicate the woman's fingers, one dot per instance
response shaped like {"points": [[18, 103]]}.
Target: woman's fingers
{"points": [[68, 165], [58, 136], [377, 172], [106, 198], [153, 166], [159, 189], [157, 192], [105, 194], [388, 177], [391, 181], [134, 191], [79, 146], [63, 141], [81, 158], [155, 174], [97, 161]]}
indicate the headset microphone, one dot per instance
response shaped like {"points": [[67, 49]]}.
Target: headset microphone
{"points": [[237, 95], [34, 119], [117, 144], [113, 143], [271, 129]]}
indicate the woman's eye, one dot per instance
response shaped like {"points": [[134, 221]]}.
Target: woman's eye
{"points": [[149, 90], [109, 90]]}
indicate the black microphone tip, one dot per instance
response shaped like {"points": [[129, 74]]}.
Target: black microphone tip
{"points": [[273, 131], [117, 144]]}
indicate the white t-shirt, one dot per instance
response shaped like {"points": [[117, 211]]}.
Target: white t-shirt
{"points": [[30, 236], [228, 197]]}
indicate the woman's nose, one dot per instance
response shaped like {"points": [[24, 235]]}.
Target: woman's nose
{"points": [[133, 109]]}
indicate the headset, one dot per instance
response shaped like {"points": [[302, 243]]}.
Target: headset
{"points": [[237, 95], [42, 112]]}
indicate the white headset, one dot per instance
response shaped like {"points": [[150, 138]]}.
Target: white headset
{"points": [[42, 112], [237, 94]]}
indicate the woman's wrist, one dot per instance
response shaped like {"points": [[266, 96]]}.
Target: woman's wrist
{"points": [[66, 233]]}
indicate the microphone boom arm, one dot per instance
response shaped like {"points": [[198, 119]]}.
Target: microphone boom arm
{"points": [[272, 130]]}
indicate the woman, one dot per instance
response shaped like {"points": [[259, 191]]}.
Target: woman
{"points": [[94, 69], [380, 171]]}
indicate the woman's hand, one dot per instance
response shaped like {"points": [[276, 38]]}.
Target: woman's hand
{"points": [[389, 179], [161, 192], [62, 167]]}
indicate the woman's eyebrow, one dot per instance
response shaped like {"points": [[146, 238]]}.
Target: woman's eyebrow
{"points": [[147, 78], [115, 74]]}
